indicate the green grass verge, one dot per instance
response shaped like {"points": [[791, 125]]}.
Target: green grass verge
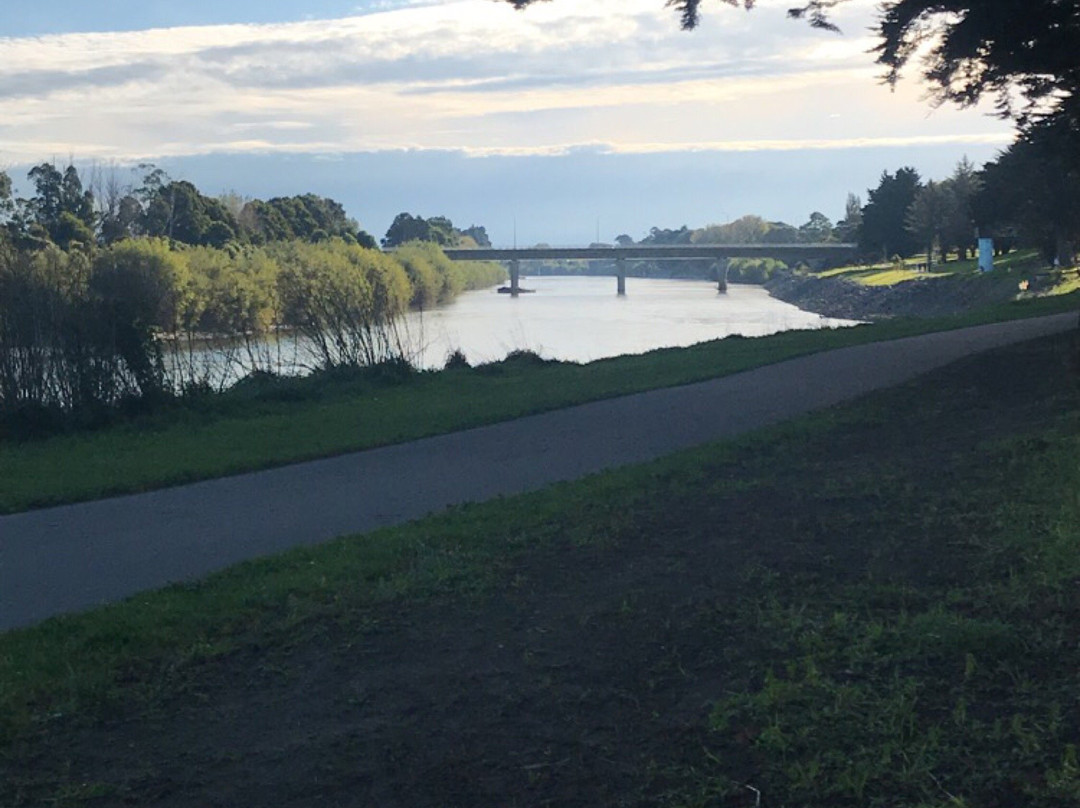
{"points": [[891, 277], [305, 419], [877, 693], [1070, 282], [1030, 261], [932, 661]]}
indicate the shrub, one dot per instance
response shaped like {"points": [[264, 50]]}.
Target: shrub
{"points": [[456, 360]]}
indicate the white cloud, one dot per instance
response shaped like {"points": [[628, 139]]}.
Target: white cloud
{"points": [[467, 75]]}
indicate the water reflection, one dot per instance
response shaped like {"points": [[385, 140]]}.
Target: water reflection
{"points": [[574, 319], [581, 319]]}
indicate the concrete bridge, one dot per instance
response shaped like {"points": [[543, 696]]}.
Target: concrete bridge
{"points": [[789, 253]]}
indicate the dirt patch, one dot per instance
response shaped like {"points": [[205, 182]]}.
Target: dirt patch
{"points": [[585, 677]]}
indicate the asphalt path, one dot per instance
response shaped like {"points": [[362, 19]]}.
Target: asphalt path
{"points": [[74, 557]]}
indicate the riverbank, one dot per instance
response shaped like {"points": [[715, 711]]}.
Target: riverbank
{"points": [[202, 528], [668, 635], [273, 421], [910, 294]]}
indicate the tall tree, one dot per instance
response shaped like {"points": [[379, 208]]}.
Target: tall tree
{"points": [[818, 229], [60, 206], [178, 211], [667, 236], [958, 229], [780, 233], [48, 201], [884, 231], [748, 229], [1030, 191], [926, 216], [7, 203], [407, 227], [849, 228], [74, 199], [479, 234]]}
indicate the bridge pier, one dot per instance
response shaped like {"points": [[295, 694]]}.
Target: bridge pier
{"points": [[620, 272], [721, 268], [515, 278]]}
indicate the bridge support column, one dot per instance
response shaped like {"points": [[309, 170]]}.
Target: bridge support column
{"points": [[721, 268], [620, 271], [515, 278]]}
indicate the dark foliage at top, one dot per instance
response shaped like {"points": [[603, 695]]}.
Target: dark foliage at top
{"points": [[307, 218], [438, 230], [64, 212], [975, 47]]}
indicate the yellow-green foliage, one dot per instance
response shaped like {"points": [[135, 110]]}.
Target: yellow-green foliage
{"points": [[1069, 282], [241, 290], [437, 279], [344, 298], [248, 290], [753, 270], [237, 289], [891, 277], [419, 264], [82, 328], [68, 273], [480, 274], [147, 280]]}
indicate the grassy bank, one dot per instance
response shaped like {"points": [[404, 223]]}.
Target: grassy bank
{"points": [[262, 425], [887, 274], [877, 605]]}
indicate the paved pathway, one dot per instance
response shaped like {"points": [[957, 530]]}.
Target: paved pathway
{"points": [[73, 557]]}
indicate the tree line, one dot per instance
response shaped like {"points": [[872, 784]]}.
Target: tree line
{"points": [[65, 211], [1024, 198], [125, 301]]}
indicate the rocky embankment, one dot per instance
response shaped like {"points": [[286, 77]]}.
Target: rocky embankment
{"points": [[922, 297]]}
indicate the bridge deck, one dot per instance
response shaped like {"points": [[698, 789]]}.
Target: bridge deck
{"points": [[667, 252]]}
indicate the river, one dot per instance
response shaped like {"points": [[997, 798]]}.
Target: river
{"points": [[576, 319], [581, 318]]}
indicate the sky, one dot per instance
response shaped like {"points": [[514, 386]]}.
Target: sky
{"points": [[572, 120]]}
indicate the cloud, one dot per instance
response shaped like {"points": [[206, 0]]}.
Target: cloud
{"points": [[37, 83], [735, 146], [468, 75]]}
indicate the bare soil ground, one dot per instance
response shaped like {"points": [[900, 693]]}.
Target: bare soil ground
{"points": [[585, 675]]}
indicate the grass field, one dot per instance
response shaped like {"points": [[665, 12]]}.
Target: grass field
{"points": [[300, 419], [872, 606]]}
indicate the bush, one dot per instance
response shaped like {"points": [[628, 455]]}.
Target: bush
{"points": [[346, 300], [71, 340], [456, 360], [753, 270], [93, 331]]}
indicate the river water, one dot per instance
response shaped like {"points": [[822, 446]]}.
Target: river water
{"points": [[576, 319], [581, 319]]}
